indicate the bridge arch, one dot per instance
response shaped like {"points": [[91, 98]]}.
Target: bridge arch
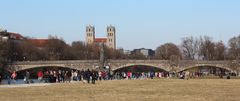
{"points": [[215, 69], [194, 66], [34, 70], [48, 67], [141, 65], [18, 68]]}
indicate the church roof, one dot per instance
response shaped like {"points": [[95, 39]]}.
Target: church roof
{"points": [[98, 40]]}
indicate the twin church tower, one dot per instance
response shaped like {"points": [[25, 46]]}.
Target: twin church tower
{"points": [[109, 41]]}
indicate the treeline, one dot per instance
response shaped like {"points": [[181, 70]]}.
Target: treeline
{"points": [[54, 49], [199, 48]]}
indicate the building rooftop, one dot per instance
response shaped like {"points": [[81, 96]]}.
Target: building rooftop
{"points": [[98, 40], [38, 42], [15, 35]]}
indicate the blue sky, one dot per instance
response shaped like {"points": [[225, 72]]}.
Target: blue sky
{"points": [[139, 23]]}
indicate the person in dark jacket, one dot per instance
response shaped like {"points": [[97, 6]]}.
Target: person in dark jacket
{"points": [[88, 75], [69, 74], [27, 76], [94, 76], [1, 76]]}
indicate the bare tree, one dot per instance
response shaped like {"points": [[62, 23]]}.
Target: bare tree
{"points": [[220, 51], [137, 55], [115, 53], [190, 47], [3, 54], [207, 48], [234, 48], [79, 50], [166, 51], [55, 48], [85, 51]]}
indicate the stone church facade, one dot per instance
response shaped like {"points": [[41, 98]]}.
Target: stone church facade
{"points": [[109, 40]]}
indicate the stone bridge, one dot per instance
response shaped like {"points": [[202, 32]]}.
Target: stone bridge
{"points": [[118, 64]]}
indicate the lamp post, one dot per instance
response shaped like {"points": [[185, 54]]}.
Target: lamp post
{"points": [[238, 65], [102, 56]]}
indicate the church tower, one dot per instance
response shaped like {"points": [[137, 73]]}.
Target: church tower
{"points": [[90, 34], [111, 37]]}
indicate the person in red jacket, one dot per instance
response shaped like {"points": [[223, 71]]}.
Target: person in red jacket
{"points": [[40, 76], [14, 76], [129, 75]]}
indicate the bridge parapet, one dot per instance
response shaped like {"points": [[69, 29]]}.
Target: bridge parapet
{"points": [[55, 62], [202, 61], [116, 64], [190, 62], [74, 64], [138, 61]]}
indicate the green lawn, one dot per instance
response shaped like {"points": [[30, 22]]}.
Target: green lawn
{"points": [[130, 90]]}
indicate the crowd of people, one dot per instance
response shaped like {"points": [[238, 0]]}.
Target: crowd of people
{"points": [[90, 76], [53, 76], [140, 75], [86, 76], [11, 77], [64, 76]]}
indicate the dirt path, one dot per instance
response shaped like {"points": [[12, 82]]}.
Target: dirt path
{"points": [[24, 85]]}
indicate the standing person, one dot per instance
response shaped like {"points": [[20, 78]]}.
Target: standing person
{"points": [[72, 76], [88, 75], [27, 77], [186, 75], [75, 75], [63, 76], [9, 79], [151, 74], [59, 76], [0, 77], [128, 75], [103, 75], [79, 76], [69, 75], [94, 75], [110, 73], [40, 76], [66, 76], [46, 76], [14, 76], [100, 75], [124, 75], [51, 79], [82, 75], [55, 79]]}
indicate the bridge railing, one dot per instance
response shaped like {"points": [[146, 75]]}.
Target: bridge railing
{"points": [[182, 62], [138, 61], [167, 61], [203, 62], [55, 62]]}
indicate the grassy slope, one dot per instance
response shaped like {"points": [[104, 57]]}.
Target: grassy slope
{"points": [[130, 90]]}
